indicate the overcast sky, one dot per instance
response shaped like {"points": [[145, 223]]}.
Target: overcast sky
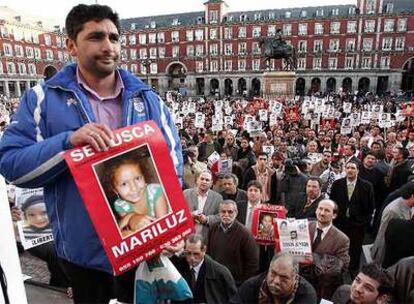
{"points": [[58, 9]]}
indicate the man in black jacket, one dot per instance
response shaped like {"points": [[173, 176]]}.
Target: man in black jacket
{"points": [[355, 199], [281, 284], [398, 241]]}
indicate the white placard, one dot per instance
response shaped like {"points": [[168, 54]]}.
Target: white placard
{"points": [[346, 127]]}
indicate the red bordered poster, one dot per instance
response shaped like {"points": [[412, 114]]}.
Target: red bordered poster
{"points": [[264, 215], [132, 195], [293, 236]]}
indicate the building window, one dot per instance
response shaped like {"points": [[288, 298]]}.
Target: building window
{"points": [[7, 48], [190, 50], [389, 25], [349, 63], [389, 8], [123, 40], [213, 33], [199, 50], [11, 68], [48, 40], [143, 69], [317, 63], [242, 48], [4, 32], [213, 16], [153, 24], [154, 68], [318, 28], [35, 38], [402, 25], [29, 52], [271, 15], [317, 46], [228, 49], [399, 43], [366, 63], [334, 45], [228, 33], [22, 68], [214, 49], [256, 64], [302, 46], [124, 55], [385, 62], [161, 52], [256, 48], [257, 31], [303, 14], [319, 12], [37, 53], [370, 6], [332, 63], [214, 66], [288, 14], [369, 26], [153, 52], [367, 44], [303, 29], [161, 37], [287, 29], [351, 11], [175, 51], [243, 18], [199, 35], [242, 65], [152, 38], [49, 55], [32, 69], [132, 40], [257, 16], [242, 32], [386, 43], [60, 56], [18, 50], [142, 39], [228, 65], [175, 36], [301, 63], [351, 27], [350, 45], [335, 11], [133, 54], [199, 66], [189, 35], [134, 68], [271, 31], [335, 27], [175, 22], [143, 53]]}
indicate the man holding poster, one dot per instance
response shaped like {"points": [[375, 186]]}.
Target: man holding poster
{"points": [[80, 105]]}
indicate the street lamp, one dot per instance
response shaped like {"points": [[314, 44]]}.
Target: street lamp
{"points": [[147, 63]]}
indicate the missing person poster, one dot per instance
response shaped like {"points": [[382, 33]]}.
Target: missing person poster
{"points": [[132, 195], [34, 227], [293, 236], [264, 216]]}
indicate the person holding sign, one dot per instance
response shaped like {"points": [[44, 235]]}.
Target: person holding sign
{"points": [[138, 203], [82, 104]]}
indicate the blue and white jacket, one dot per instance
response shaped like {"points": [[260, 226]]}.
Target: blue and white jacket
{"points": [[31, 154]]}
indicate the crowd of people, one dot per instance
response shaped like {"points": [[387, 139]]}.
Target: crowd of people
{"points": [[342, 161]]}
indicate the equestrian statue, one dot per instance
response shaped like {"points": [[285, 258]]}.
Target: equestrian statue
{"points": [[277, 48]]}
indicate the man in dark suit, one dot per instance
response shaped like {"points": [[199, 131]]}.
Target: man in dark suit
{"points": [[330, 248], [209, 281], [355, 199], [304, 206], [398, 241], [229, 188], [349, 153], [203, 203]]}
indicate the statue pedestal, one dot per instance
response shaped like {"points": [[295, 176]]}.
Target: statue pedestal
{"points": [[279, 83]]}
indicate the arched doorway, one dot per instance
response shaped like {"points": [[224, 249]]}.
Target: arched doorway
{"points": [[256, 87], [363, 85], [300, 86], [49, 72], [176, 75], [241, 86], [331, 85], [228, 87], [315, 85], [214, 86], [347, 84], [407, 83]]}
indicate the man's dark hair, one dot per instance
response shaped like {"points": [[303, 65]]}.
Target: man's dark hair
{"points": [[195, 238], [82, 13], [353, 148], [316, 179], [407, 190], [231, 176], [370, 153], [379, 274], [404, 152], [255, 183], [262, 154]]}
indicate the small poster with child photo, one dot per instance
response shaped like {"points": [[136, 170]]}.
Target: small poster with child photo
{"points": [[264, 216], [132, 194]]}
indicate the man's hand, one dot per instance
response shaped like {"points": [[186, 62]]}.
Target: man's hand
{"points": [[97, 135]]}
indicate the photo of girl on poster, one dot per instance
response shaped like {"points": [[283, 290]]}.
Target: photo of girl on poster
{"points": [[133, 190]]}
